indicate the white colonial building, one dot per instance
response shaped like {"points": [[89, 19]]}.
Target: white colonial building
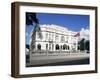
{"points": [[54, 38], [57, 44]]}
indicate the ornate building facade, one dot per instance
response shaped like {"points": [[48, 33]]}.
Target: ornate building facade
{"points": [[54, 38], [57, 44]]}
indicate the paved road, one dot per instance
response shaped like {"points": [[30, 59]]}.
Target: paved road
{"points": [[63, 62], [61, 59]]}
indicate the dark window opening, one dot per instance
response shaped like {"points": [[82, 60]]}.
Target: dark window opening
{"points": [[46, 46], [64, 47], [57, 47], [38, 47]]}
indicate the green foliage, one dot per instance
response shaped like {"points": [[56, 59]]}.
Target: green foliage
{"points": [[84, 45]]}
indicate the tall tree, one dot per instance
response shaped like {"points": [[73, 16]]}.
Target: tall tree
{"points": [[31, 19], [82, 44], [87, 47]]}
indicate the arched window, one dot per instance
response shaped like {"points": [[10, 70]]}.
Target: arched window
{"points": [[38, 47], [56, 38], [64, 47], [57, 47], [33, 47], [62, 38]]}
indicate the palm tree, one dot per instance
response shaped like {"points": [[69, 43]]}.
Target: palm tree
{"points": [[31, 19]]}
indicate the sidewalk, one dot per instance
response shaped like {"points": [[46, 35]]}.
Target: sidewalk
{"points": [[55, 58]]}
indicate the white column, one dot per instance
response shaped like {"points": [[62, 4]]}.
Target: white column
{"points": [[54, 46], [70, 47]]}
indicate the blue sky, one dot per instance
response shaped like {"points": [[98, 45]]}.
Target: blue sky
{"points": [[72, 22]]}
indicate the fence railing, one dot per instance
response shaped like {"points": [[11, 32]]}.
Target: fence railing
{"points": [[56, 53]]}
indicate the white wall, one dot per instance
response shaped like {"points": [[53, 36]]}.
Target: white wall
{"points": [[5, 41]]}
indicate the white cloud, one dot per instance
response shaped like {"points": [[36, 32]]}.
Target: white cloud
{"points": [[84, 33]]}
